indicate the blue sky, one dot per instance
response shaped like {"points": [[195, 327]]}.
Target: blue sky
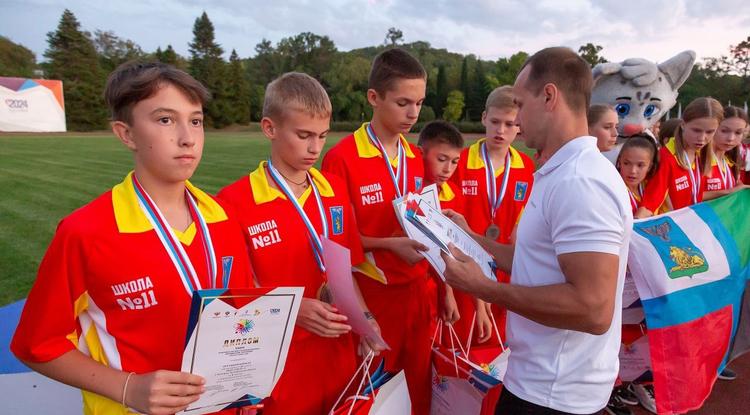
{"points": [[651, 29]]}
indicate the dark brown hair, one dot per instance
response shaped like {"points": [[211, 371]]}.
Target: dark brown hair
{"points": [[667, 129], [645, 142], [596, 112], [439, 131], [392, 65], [132, 82], [566, 70]]}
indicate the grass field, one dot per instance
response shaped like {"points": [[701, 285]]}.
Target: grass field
{"points": [[44, 178]]}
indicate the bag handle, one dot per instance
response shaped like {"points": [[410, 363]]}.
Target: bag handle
{"points": [[454, 341], [494, 328], [364, 366]]}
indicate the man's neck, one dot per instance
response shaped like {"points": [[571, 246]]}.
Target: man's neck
{"points": [[562, 133]]}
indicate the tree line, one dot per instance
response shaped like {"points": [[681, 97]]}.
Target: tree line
{"points": [[456, 89]]}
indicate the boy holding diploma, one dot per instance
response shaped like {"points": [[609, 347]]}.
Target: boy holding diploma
{"points": [[286, 208]]}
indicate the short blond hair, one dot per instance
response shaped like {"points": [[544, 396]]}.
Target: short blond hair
{"points": [[296, 91], [502, 98]]}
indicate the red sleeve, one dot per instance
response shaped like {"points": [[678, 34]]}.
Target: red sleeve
{"points": [[657, 187], [48, 327], [334, 163], [230, 200]]}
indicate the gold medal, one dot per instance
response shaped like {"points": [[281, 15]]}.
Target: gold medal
{"points": [[324, 294], [492, 232]]}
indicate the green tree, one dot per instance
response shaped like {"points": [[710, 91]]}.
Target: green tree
{"points": [[479, 89], [347, 86], [454, 106], [441, 91], [506, 69], [207, 66], [590, 53], [16, 60], [394, 36], [464, 81], [307, 52], [114, 51], [238, 94], [71, 57]]}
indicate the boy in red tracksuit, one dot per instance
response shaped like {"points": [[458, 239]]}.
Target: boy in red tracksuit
{"points": [[496, 181], [286, 207], [441, 144], [109, 309], [379, 165]]}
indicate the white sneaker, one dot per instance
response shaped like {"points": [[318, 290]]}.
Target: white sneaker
{"points": [[645, 395]]}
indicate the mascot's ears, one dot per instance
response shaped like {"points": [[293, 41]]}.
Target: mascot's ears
{"points": [[677, 69]]}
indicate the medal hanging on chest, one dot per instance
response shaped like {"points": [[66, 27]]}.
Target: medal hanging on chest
{"points": [[172, 245], [313, 237], [494, 197]]}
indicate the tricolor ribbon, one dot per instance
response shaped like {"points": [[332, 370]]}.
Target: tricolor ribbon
{"points": [[633, 200], [695, 176], [401, 169], [493, 197], [315, 239], [726, 173], [173, 246]]}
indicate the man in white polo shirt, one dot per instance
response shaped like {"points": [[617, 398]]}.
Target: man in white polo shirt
{"points": [[568, 263]]}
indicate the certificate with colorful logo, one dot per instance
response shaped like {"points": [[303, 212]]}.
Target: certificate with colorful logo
{"points": [[238, 340]]}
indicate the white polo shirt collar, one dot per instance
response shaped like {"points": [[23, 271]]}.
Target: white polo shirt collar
{"points": [[567, 151]]}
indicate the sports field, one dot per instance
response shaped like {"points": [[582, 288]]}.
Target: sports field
{"points": [[45, 177]]}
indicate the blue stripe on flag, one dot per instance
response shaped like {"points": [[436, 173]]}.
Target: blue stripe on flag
{"points": [[9, 316]]}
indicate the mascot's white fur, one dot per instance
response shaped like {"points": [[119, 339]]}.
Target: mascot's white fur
{"points": [[640, 91]]}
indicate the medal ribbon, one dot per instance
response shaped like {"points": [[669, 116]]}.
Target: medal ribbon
{"points": [[493, 197], [401, 170], [726, 174], [633, 200], [695, 177], [173, 246], [315, 239]]}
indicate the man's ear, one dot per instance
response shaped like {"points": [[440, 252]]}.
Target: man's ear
{"points": [[124, 133], [551, 96]]}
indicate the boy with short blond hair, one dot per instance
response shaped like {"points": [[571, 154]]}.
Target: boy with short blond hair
{"points": [[379, 165], [286, 208], [109, 309], [495, 180]]}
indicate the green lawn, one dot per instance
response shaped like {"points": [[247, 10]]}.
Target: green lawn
{"points": [[45, 177]]}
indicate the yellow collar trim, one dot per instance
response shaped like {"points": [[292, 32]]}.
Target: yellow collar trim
{"points": [[366, 149], [131, 219], [672, 147], [715, 161], [263, 192], [446, 193], [475, 160]]}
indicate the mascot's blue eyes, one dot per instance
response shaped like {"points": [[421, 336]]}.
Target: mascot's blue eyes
{"points": [[650, 110], [623, 109]]}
